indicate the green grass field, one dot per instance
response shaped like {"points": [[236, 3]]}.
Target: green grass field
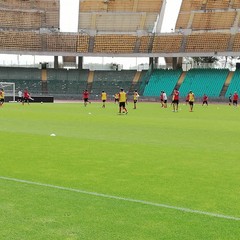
{"points": [[164, 175]]}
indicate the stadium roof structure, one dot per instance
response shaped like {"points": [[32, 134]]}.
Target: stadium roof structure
{"points": [[126, 28]]}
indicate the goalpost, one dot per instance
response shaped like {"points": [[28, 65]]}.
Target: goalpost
{"points": [[9, 90]]}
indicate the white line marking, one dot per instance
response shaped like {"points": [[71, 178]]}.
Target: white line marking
{"points": [[124, 199]]}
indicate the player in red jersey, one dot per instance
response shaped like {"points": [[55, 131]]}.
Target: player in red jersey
{"points": [[235, 99], [26, 97], [205, 99], [86, 97], [175, 100]]}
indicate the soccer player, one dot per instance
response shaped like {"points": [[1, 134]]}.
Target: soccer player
{"points": [[205, 100], [235, 99], [191, 100], [161, 99], [20, 96], [164, 99], [122, 101], [86, 97], [2, 96], [175, 100], [26, 97], [135, 99], [230, 99], [116, 98], [104, 98]]}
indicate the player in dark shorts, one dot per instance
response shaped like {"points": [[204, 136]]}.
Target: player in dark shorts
{"points": [[205, 100], [85, 97], [230, 99], [175, 100], [235, 99], [1, 96]]}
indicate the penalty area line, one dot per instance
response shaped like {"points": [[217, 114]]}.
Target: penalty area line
{"points": [[182, 209]]}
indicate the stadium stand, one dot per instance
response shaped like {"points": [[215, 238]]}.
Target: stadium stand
{"points": [[236, 4], [162, 80], [204, 81], [23, 78], [234, 84], [61, 42], [183, 20], [213, 20], [145, 44], [213, 4], [82, 43], [16, 19], [112, 81], [52, 5], [207, 42], [29, 14], [119, 15], [114, 44], [66, 82], [119, 27], [20, 41], [236, 43], [167, 43]]}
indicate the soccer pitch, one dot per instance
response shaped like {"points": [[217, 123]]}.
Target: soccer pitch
{"points": [[151, 174]]}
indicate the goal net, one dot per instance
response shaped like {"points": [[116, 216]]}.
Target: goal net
{"points": [[9, 90]]}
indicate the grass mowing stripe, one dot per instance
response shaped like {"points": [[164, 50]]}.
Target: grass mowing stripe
{"points": [[123, 199]]}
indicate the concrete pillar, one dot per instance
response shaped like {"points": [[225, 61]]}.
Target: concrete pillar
{"points": [[56, 62], [80, 63]]}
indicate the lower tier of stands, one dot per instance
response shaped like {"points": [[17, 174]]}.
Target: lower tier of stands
{"points": [[71, 83]]}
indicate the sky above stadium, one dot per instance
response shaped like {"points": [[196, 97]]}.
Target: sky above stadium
{"points": [[69, 15]]}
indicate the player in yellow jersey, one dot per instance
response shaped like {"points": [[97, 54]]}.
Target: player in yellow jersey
{"points": [[2, 95], [191, 100], [104, 98], [135, 99], [122, 101]]}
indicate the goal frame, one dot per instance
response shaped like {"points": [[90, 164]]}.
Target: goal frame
{"points": [[13, 93]]}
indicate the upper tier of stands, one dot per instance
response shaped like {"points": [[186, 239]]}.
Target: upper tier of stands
{"points": [[112, 22], [121, 6], [119, 15], [27, 41], [207, 42], [195, 5], [29, 14], [162, 80], [21, 19], [204, 81], [127, 27], [114, 44], [236, 43], [207, 15], [167, 43], [52, 5]]}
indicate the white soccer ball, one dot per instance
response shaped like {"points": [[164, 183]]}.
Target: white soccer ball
{"points": [[41, 102], [53, 135]]}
